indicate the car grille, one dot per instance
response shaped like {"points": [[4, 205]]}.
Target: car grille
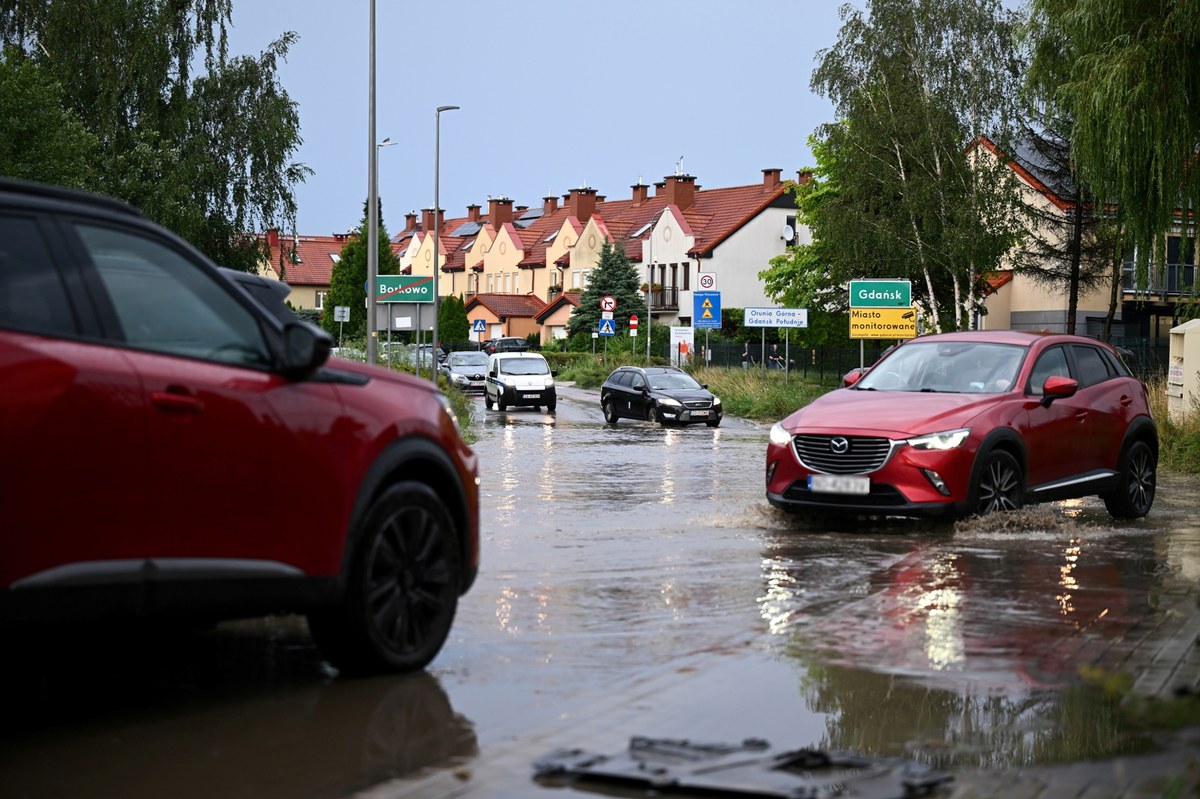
{"points": [[859, 456], [697, 405]]}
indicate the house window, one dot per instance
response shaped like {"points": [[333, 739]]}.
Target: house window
{"points": [[321, 300], [674, 275], [491, 284], [506, 282], [687, 275], [516, 282], [575, 279]]}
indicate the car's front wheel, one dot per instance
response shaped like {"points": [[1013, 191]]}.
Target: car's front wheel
{"points": [[487, 400], [1137, 480], [713, 423], [999, 486], [652, 413], [401, 587], [610, 412]]}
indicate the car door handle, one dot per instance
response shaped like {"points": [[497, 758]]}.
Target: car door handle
{"points": [[1081, 415], [176, 399], [1126, 399]]}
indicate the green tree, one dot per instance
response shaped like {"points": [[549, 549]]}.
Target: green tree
{"points": [[453, 325], [40, 139], [1131, 91], [913, 83], [348, 279], [207, 155], [613, 276]]}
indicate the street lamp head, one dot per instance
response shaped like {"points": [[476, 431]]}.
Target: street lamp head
{"points": [[442, 108], [386, 142]]}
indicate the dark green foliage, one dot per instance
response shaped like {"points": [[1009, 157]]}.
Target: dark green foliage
{"points": [[40, 139], [205, 154], [453, 324], [613, 276], [348, 280]]}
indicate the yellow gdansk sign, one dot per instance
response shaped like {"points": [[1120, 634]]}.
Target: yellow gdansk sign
{"points": [[883, 323]]}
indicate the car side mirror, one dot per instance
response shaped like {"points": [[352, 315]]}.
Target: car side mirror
{"points": [[851, 377], [1058, 387], [305, 348], [554, 373]]}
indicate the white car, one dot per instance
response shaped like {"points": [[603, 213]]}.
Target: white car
{"points": [[519, 378]]}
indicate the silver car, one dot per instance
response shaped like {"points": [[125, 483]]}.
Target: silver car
{"points": [[466, 370]]}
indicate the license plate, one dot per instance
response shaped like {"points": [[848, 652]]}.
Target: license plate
{"points": [[839, 484], [699, 413], [530, 396]]}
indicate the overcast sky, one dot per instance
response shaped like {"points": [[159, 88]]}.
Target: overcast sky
{"points": [[554, 94]]}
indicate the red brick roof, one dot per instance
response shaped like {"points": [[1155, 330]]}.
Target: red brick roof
{"points": [[562, 299], [506, 306]]}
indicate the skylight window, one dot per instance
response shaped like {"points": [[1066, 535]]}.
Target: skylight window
{"points": [[550, 238], [642, 229], [467, 229]]}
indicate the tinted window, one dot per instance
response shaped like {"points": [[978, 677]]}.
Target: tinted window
{"points": [[32, 296], [635, 381], [1093, 368], [1051, 363], [165, 303]]}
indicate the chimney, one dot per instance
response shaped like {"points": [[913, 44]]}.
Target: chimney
{"points": [[771, 178], [500, 211], [581, 203], [804, 176], [549, 204], [273, 238], [681, 191], [660, 188], [640, 192], [427, 219], [473, 213], [410, 221]]}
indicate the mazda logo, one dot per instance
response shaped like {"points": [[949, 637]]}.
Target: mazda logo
{"points": [[839, 445]]}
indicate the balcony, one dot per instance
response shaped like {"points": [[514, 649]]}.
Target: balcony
{"points": [[1169, 281], [664, 299]]}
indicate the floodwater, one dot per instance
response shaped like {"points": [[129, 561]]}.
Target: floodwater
{"points": [[635, 582]]}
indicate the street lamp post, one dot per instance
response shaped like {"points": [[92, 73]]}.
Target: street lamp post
{"points": [[372, 199], [437, 267]]}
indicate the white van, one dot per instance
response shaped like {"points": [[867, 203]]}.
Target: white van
{"points": [[519, 378]]}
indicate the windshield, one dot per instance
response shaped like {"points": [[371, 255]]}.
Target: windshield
{"points": [[477, 359], [669, 380], [524, 366], [959, 367]]}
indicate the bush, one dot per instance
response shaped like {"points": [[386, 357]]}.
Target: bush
{"points": [[1178, 439]]}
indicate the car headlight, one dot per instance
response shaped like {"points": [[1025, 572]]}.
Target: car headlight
{"points": [[780, 436], [669, 401], [461, 380], [716, 400], [945, 440], [549, 381]]}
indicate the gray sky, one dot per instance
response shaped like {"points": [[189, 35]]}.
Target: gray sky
{"points": [[553, 95]]}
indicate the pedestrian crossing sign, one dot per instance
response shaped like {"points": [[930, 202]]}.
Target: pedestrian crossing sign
{"points": [[607, 328]]}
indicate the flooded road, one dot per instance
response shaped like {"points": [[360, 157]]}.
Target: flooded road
{"points": [[635, 582]]}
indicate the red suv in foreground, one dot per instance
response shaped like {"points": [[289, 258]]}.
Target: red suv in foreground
{"points": [[974, 422], [176, 444]]}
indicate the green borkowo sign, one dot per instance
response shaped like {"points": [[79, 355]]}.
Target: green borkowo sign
{"points": [[880, 293], [404, 288]]}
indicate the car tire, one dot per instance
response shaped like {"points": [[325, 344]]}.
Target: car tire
{"points": [[551, 406], [487, 400], [610, 412], [999, 485], [652, 413], [714, 423], [500, 403], [1137, 478], [402, 587]]}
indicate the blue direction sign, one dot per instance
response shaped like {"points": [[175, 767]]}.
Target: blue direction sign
{"points": [[706, 309], [607, 328], [478, 326]]}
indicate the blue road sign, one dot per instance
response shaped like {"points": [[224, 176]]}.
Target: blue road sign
{"points": [[706, 306], [607, 328], [478, 326]]}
